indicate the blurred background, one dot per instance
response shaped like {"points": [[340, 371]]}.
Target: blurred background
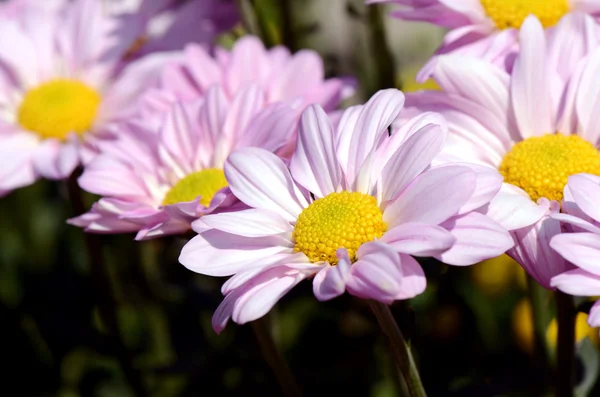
{"points": [[471, 331]]}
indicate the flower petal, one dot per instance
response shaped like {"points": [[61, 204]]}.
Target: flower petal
{"points": [[330, 282], [249, 223], [418, 239], [432, 197], [581, 249], [260, 179], [314, 164], [478, 238], [577, 282]]}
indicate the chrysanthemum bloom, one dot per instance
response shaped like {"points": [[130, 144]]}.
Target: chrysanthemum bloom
{"points": [[536, 126], [487, 28], [165, 25], [352, 209], [283, 76], [582, 246], [62, 80], [158, 182]]}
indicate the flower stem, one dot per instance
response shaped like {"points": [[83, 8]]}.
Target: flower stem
{"points": [[399, 348], [104, 293], [565, 344], [539, 298], [275, 359]]}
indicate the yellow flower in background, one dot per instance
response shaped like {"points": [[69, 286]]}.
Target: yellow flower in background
{"points": [[582, 329], [497, 275], [408, 81], [522, 324]]}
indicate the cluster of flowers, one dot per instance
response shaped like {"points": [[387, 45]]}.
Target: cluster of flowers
{"points": [[246, 146]]}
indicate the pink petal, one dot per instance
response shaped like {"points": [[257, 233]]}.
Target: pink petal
{"points": [[581, 249], [478, 238], [314, 164], [476, 80], [414, 281], [513, 209], [216, 253], [577, 282], [359, 134], [203, 69], [255, 298], [377, 274], [56, 160], [249, 63], [532, 251], [260, 179], [529, 89], [586, 193], [432, 197], [588, 98], [330, 282], [249, 223], [412, 158], [418, 239]]}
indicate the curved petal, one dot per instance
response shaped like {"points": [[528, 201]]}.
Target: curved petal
{"points": [[314, 164], [577, 282], [330, 282], [418, 239], [260, 179], [412, 158], [530, 94], [478, 238], [377, 274], [513, 208], [216, 253], [249, 223], [432, 197], [581, 249], [586, 193]]}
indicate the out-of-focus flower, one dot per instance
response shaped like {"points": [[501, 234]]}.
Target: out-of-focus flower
{"points": [[298, 77], [522, 325], [408, 81], [353, 208], [157, 179], [62, 81], [488, 29], [536, 125], [582, 246], [12, 8], [582, 330], [165, 25], [496, 275]]}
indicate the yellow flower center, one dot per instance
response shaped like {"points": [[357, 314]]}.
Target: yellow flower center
{"points": [[59, 107], [345, 219], [512, 13], [542, 165], [205, 183]]}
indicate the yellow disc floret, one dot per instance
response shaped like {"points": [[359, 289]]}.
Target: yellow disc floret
{"points": [[542, 165], [59, 107], [345, 219], [512, 13], [205, 183]]}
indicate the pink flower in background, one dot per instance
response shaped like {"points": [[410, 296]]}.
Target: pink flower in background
{"points": [[62, 81], [165, 25], [537, 125], [298, 77], [352, 210], [488, 29], [156, 182], [582, 246]]}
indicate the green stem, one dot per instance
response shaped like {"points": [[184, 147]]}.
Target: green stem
{"points": [[275, 359], [538, 296], [565, 344], [385, 68], [105, 295], [248, 17], [399, 348]]}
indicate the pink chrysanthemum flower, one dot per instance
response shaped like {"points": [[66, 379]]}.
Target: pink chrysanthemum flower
{"points": [[165, 25], [487, 28], [62, 81], [157, 180], [582, 246], [352, 209], [536, 125], [283, 76]]}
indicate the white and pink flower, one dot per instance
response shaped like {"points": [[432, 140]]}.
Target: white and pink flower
{"points": [[156, 178], [354, 207]]}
